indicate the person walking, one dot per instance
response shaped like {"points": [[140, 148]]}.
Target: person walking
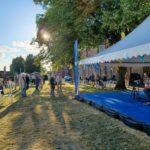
{"points": [[16, 81], [11, 86], [52, 85]]}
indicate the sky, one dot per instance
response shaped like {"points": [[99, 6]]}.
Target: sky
{"points": [[17, 28]]}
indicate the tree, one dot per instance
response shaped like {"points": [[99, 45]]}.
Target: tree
{"points": [[67, 21], [89, 21], [121, 78], [17, 65], [31, 65], [122, 16]]}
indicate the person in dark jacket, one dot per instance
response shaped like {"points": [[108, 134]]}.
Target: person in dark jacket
{"points": [[1, 89], [27, 81], [52, 84], [37, 82]]}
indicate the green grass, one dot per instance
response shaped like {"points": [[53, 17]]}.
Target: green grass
{"points": [[42, 122]]}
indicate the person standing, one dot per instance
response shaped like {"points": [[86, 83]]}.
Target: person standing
{"points": [[1, 89], [147, 86], [59, 83], [97, 80], [44, 78], [37, 82], [23, 84], [16, 81], [93, 79], [52, 85], [27, 81], [11, 86]]}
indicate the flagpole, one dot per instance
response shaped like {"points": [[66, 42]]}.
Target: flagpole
{"points": [[76, 73]]}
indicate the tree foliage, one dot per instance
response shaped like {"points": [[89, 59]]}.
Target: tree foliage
{"points": [[17, 65], [89, 21], [31, 65]]}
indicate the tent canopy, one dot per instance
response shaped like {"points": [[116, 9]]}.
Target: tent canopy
{"points": [[135, 44]]}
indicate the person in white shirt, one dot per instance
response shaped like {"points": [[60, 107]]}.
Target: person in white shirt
{"points": [[147, 86], [22, 83], [59, 82]]}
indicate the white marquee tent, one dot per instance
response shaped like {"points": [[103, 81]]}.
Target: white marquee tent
{"points": [[130, 49]]}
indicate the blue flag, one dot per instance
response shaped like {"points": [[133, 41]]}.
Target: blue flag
{"points": [[76, 74]]}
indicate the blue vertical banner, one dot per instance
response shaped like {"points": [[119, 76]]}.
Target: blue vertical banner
{"points": [[76, 73]]}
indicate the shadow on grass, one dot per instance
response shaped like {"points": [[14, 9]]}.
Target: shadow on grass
{"points": [[60, 123], [40, 119], [2, 107], [18, 93], [36, 92], [86, 88]]}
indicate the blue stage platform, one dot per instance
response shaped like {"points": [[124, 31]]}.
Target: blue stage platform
{"points": [[121, 105]]}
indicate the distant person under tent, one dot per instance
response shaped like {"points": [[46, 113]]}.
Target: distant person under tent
{"points": [[104, 78], [92, 79], [97, 80], [87, 79], [113, 78], [147, 86]]}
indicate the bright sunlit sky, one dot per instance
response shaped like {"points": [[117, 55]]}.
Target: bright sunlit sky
{"points": [[17, 28]]}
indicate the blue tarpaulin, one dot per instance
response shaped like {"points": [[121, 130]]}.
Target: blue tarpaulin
{"points": [[122, 104]]}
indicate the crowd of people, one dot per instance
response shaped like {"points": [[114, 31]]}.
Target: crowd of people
{"points": [[7, 83], [96, 80], [54, 80], [24, 80]]}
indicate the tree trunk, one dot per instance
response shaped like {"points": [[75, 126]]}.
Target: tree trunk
{"points": [[121, 79]]}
